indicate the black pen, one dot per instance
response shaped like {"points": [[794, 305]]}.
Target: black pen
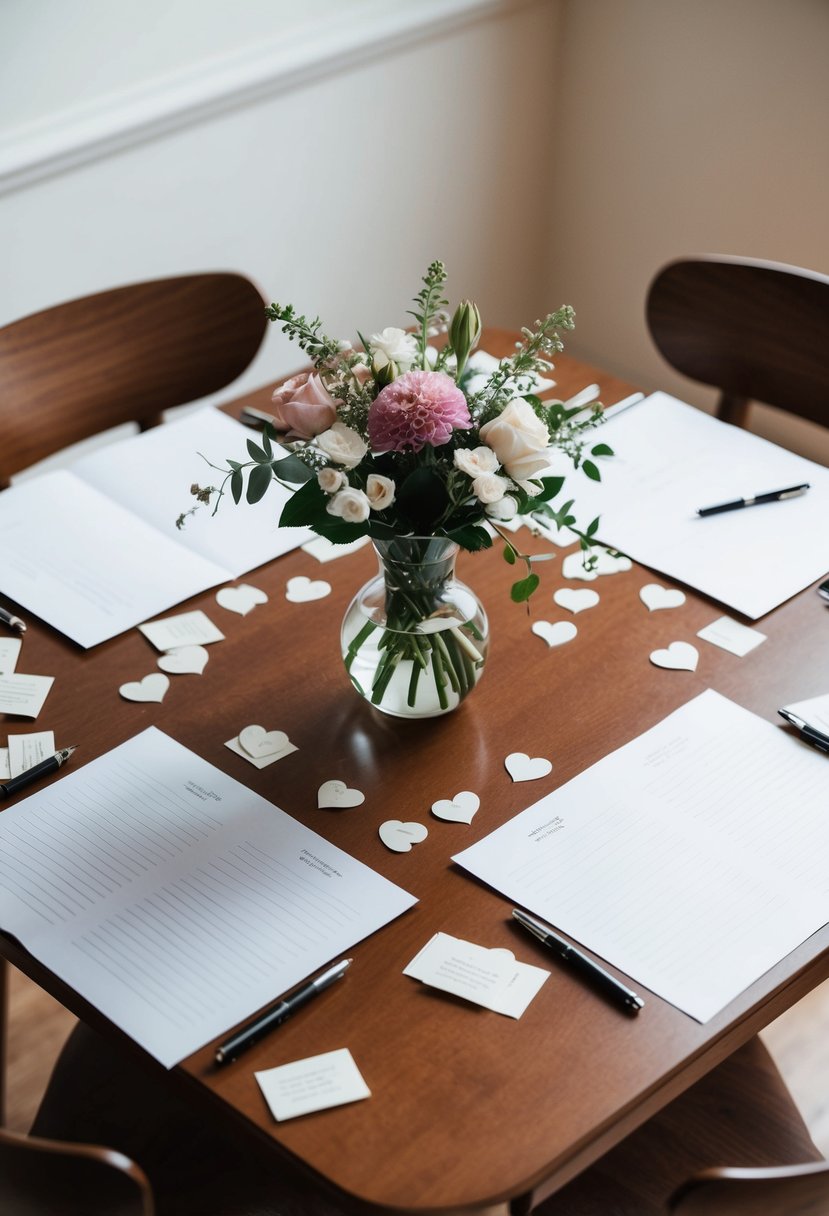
{"points": [[8, 618], [50, 765], [809, 734], [278, 1013], [769, 496], [603, 980]]}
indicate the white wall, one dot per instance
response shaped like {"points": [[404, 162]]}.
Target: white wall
{"points": [[329, 154], [686, 126]]}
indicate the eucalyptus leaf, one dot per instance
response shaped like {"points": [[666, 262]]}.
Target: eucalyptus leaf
{"points": [[602, 449], [591, 470], [291, 468], [521, 591], [237, 484], [258, 482], [256, 453]]}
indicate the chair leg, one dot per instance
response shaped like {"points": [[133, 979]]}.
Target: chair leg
{"points": [[732, 409]]}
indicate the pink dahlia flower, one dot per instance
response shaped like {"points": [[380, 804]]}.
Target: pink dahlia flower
{"points": [[416, 409]]}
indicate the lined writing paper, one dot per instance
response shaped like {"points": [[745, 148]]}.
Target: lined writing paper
{"points": [[692, 859], [174, 899]]}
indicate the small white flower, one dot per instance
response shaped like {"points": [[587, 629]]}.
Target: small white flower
{"points": [[379, 491], [351, 505], [475, 461], [393, 345], [506, 508], [489, 487], [331, 480], [342, 445]]}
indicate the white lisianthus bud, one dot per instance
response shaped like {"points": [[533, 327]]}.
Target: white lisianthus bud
{"points": [[464, 332], [489, 487], [393, 345], [330, 480], [379, 491], [351, 505], [475, 461], [342, 445], [384, 371], [519, 439], [506, 508]]}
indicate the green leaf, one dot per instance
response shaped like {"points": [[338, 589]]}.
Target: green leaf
{"points": [[471, 537], [521, 591], [423, 498], [258, 482], [291, 468], [306, 508], [237, 485], [233, 464], [591, 470], [602, 449], [258, 454], [592, 527], [509, 555], [552, 487], [267, 446]]}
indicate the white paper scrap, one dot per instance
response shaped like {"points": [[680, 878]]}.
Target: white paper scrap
{"points": [[9, 653], [324, 550], [316, 1083], [492, 978], [730, 635], [24, 695], [5, 772], [814, 712], [185, 629], [25, 751]]}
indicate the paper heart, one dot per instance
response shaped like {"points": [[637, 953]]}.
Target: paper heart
{"points": [[521, 768], [610, 563], [184, 660], [302, 590], [151, 688], [573, 567], [257, 741], [555, 633], [240, 599], [576, 601], [460, 809], [679, 656], [399, 837], [655, 596], [337, 794]]}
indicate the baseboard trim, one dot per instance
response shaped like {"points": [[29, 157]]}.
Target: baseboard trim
{"points": [[365, 31]]}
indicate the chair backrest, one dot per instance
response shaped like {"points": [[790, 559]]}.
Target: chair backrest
{"points": [[794, 1190], [53, 1178], [757, 331], [123, 355]]}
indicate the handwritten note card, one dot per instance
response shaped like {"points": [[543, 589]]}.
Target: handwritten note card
{"points": [[184, 629], [25, 751], [492, 978], [317, 1083], [9, 653], [23, 695]]}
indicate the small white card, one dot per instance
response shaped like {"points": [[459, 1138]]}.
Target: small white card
{"points": [[25, 751], [316, 1083], [814, 712], [24, 695], [5, 771], [186, 629], [9, 652], [730, 635], [492, 978], [325, 550]]}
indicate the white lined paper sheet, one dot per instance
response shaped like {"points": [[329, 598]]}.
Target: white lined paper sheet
{"points": [[692, 859], [174, 899]]}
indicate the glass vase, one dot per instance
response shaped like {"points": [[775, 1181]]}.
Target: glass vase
{"points": [[414, 638]]}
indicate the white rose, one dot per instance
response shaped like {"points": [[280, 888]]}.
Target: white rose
{"points": [[518, 438], [506, 508], [331, 480], [393, 345], [489, 487], [343, 445], [351, 505], [474, 461], [379, 491]]}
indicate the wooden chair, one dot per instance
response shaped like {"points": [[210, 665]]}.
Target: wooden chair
{"points": [[757, 331], [125, 355]]}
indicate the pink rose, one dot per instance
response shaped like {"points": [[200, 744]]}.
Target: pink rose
{"points": [[303, 406], [417, 409]]}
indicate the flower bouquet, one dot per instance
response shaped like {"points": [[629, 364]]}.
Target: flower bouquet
{"points": [[403, 441]]}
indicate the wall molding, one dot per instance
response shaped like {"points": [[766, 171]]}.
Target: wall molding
{"points": [[115, 122]]}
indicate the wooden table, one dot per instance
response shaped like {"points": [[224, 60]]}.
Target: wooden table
{"points": [[468, 1109]]}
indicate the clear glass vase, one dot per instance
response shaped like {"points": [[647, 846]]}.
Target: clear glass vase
{"points": [[414, 638]]}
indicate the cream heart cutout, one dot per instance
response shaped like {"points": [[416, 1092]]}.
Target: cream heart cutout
{"points": [[608, 563], [302, 590], [399, 837], [151, 688], [240, 599], [521, 768], [184, 660], [679, 656], [460, 809], [555, 633], [655, 596], [258, 742], [575, 600], [573, 567], [337, 794]]}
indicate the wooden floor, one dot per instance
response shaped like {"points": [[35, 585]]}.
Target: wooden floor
{"points": [[799, 1042]]}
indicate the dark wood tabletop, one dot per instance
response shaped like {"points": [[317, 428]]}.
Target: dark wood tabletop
{"points": [[468, 1108]]}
